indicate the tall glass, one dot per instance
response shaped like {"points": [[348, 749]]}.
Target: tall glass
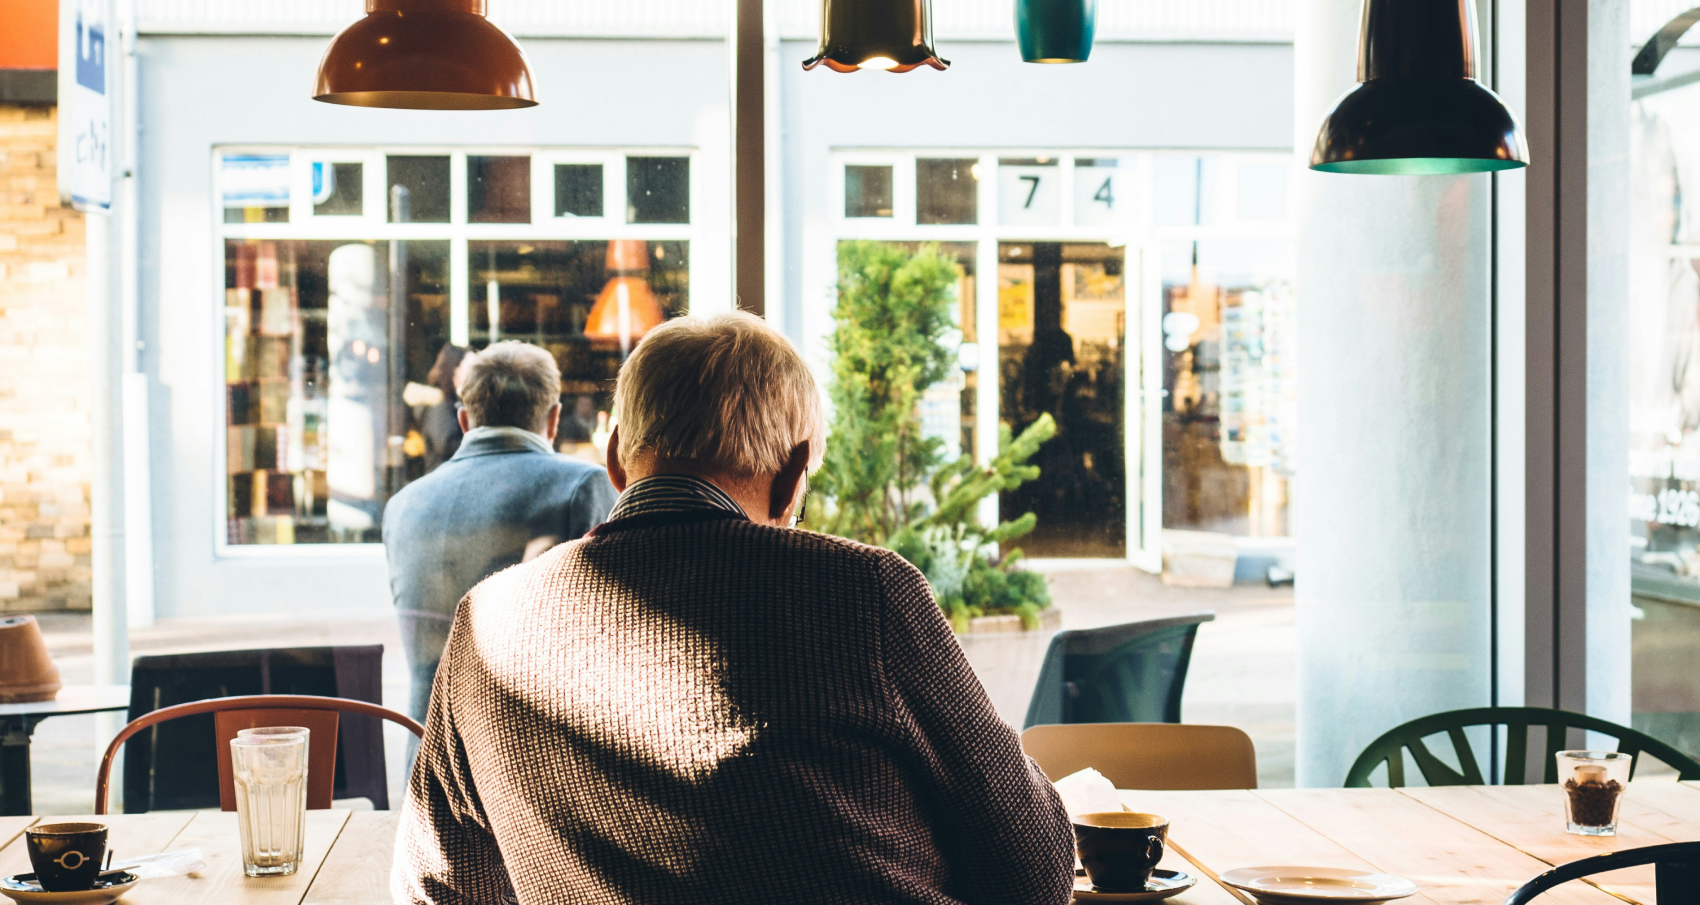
{"points": [[1593, 784], [271, 801]]}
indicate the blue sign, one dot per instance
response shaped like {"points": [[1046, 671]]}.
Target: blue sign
{"points": [[91, 55]]}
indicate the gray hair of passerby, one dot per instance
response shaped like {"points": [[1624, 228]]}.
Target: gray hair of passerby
{"points": [[723, 391], [511, 384]]}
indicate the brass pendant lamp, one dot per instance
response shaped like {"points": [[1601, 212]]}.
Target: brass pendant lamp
{"points": [[1419, 109], [425, 55], [893, 35]]}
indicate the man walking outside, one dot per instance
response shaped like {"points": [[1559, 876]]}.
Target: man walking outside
{"points": [[504, 497]]}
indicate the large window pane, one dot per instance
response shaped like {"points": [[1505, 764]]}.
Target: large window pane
{"points": [[1062, 322], [322, 339]]}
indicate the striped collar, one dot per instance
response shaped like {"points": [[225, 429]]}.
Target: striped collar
{"points": [[669, 493]]}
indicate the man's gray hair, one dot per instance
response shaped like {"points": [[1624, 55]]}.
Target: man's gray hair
{"points": [[722, 391], [511, 384]]}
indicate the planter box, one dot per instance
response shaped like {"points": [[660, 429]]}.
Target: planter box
{"points": [[1007, 659]]}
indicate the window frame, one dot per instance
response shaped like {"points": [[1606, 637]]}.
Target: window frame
{"points": [[372, 225]]}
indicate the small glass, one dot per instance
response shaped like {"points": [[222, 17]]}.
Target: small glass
{"points": [[271, 801], [1593, 784], [276, 732]]}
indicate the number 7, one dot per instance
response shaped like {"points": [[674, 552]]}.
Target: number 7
{"points": [[1030, 192]]}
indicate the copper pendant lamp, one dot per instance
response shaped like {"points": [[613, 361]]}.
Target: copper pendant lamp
{"points": [[627, 308], [425, 55], [893, 35], [1419, 109]]}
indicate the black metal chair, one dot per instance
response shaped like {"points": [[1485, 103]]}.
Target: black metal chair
{"points": [[1130, 673], [173, 766], [1678, 872]]}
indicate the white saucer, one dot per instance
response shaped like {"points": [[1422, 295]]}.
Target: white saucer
{"points": [[23, 889], [1281, 885], [1164, 883]]}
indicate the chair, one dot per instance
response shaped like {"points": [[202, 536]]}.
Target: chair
{"points": [[249, 711], [1678, 878], [1389, 748], [1132, 673], [351, 673], [1155, 756]]}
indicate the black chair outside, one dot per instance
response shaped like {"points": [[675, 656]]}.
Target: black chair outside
{"points": [[173, 766], [1390, 748], [1678, 865], [1131, 673]]}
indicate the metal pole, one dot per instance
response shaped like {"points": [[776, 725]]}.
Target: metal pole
{"points": [[749, 159]]}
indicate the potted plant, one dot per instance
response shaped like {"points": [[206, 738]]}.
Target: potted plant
{"points": [[886, 483]]}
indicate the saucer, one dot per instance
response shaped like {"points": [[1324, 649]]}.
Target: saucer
{"points": [[1164, 883], [1282, 885], [24, 890]]}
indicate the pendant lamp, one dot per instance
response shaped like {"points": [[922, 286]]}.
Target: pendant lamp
{"points": [[627, 308], [894, 35], [425, 55], [1056, 31], [1419, 109]]}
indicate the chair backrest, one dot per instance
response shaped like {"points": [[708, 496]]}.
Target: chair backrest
{"points": [[1390, 748], [1156, 756], [251, 711], [1129, 673], [1678, 875], [352, 673]]}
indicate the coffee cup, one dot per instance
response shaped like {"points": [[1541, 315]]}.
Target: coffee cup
{"points": [[66, 856], [1120, 849]]}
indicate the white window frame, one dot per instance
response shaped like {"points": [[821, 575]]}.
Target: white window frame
{"points": [[373, 224], [1135, 231]]}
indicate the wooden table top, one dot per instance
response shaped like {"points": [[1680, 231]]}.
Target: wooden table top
{"points": [[1463, 845], [1466, 845]]}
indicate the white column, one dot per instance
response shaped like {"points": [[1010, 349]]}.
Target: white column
{"points": [[1392, 503]]}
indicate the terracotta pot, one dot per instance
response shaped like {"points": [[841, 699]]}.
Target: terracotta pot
{"points": [[27, 672]]}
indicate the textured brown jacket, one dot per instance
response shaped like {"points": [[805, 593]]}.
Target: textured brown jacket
{"points": [[691, 708]]}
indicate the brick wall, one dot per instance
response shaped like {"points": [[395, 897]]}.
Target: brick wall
{"points": [[45, 459]]}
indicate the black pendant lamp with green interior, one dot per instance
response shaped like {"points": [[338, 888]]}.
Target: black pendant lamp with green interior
{"points": [[1055, 31], [1419, 109], [893, 35]]}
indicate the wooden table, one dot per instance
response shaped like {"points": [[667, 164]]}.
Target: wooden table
{"points": [[347, 860], [1463, 845], [18, 722]]}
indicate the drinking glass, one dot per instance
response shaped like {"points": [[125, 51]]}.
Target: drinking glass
{"points": [[277, 732], [1593, 784], [271, 801]]}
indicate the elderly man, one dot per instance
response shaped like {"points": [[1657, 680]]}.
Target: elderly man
{"points": [[503, 494], [699, 704]]}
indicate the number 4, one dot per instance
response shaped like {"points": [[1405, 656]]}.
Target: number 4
{"points": [[1106, 193]]}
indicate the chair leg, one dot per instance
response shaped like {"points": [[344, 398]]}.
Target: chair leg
{"points": [[1679, 881]]}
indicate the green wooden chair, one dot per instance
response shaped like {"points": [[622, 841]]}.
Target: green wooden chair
{"points": [[1390, 748]]}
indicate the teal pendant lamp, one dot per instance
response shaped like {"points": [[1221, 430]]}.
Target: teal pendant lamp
{"points": [[1419, 109], [1056, 31], [893, 35]]}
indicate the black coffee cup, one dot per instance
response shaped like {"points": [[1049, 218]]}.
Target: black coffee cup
{"points": [[66, 856], [1120, 849]]}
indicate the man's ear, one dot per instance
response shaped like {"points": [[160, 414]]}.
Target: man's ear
{"points": [[788, 482], [616, 468], [464, 419]]}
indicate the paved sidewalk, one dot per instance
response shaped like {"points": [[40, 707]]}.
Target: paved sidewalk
{"points": [[1242, 667]]}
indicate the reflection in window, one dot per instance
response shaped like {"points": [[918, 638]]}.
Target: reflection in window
{"points": [[418, 189], [339, 189], [498, 189], [578, 190], [947, 191], [658, 190], [1062, 322], [322, 339], [1229, 323], [1183, 190], [588, 303], [867, 191], [254, 188]]}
